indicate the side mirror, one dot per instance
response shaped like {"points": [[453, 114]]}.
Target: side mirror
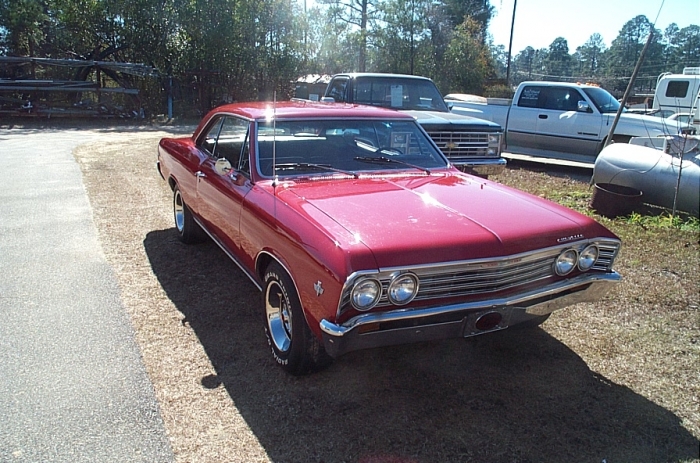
{"points": [[223, 166], [583, 107]]}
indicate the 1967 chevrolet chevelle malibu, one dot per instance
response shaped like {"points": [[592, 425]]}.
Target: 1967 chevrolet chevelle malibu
{"points": [[359, 233]]}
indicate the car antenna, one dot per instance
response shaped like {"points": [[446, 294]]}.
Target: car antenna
{"points": [[274, 138]]}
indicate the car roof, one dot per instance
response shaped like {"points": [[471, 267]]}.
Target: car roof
{"points": [[303, 109], [543, 83], [380, 75]]}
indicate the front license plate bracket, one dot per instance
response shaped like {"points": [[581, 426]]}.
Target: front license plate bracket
{"points": [[487, 321]]}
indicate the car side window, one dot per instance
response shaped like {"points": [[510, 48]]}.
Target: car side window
{"points": [[529, 97], [244, 164], [337, 89], [208, 142], [562, 99], [231, 137]]}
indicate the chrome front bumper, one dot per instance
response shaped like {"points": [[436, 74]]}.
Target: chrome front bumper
{"points": [[403, 326]]}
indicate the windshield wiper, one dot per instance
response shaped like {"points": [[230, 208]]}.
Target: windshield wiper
{"points": [[309, 165], [386, 160]]}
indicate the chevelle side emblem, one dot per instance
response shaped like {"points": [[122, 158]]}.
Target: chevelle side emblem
{"points": [[569, 238], [318, 286]]}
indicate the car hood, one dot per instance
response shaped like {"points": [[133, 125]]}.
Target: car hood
{"points": [[436, 118], [436, 218], [650, 125]]}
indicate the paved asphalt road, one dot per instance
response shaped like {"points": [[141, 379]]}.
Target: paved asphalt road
{"points": [[72, 384]]}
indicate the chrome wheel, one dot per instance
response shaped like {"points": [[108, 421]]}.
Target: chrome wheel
{"points": [[179, 211], [188, 231], [279, 316], [294, 347]]}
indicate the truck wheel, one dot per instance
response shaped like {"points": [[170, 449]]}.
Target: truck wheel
{"points": [[293, 345], [188, 231]]}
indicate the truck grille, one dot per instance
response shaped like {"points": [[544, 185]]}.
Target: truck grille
{"points": [[461, 144]]}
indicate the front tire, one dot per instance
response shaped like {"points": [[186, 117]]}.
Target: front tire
{"points": [[293, 345], [188, 231]]}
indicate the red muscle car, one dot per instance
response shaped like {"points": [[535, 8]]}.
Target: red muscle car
{"points": [[359, 232]]}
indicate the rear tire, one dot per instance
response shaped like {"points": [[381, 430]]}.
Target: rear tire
{"points": [[294, 347], [188, 231]]}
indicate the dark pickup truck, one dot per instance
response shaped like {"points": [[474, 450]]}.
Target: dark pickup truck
{"points": [[471, 144]]}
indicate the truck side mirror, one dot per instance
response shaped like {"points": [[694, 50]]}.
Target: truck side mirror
{"points": [[583, 107]]}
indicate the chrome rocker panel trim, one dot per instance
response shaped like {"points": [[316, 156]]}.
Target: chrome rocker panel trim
{"points": [[425, 323]]}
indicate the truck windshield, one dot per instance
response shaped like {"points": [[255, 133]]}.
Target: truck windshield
{"points": [[604, 101], [399, 93]]}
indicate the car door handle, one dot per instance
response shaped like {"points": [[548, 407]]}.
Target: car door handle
{"points": [[542, 116], [200, 174]]}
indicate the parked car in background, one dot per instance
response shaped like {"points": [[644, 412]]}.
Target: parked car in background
{"points": [[469, 143], [562, 120], [663, 177], [360, 234]]}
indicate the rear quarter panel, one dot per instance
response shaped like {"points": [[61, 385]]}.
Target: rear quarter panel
{"points": [[180, 159]]}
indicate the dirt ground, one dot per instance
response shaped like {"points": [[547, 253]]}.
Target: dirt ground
{"points": [[578, 389]]}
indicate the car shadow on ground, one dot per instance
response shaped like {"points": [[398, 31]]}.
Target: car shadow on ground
{"points": [[515, 396]]}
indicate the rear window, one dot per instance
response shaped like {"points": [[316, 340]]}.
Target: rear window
{"points": [[677, 89], [406, 94]]}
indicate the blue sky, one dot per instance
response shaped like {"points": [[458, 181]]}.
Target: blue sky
{"points": [[539, 22]]}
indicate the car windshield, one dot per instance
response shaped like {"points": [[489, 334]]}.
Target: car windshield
{"points": [[398, 93], [350, 147], [604, 101]]}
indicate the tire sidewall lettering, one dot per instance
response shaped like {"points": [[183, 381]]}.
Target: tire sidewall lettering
{"points": [[272, 277]]}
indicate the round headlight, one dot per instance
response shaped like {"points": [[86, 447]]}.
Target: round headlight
{"points": [[366, 293], [403, 289], [566, 262], [588, 257]]}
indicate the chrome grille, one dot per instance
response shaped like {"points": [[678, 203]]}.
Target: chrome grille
{"points": [[606, 255], [485, 276], [460, 144]]}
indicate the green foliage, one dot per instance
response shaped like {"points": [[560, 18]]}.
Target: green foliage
{"points": [[558, 62], [469, 60], [665, 220], [626, 49], [226, 50], [25, 23], [611, 67]]}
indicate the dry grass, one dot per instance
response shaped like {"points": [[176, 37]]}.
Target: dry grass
{"points": [[616, 380]]}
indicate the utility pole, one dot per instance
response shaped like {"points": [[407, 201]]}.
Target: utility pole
{"points": [[510, 43]]}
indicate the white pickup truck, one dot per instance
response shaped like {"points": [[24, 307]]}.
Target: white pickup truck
{"points": [[561, 120]]}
